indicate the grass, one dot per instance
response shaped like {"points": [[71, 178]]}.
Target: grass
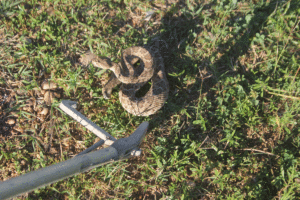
{"points": [[230, 127]]}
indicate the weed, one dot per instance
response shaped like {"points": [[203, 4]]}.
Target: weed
{"points": [[229, 130]]}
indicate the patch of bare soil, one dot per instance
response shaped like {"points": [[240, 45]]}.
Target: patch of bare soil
{"points": [[7, 121]]}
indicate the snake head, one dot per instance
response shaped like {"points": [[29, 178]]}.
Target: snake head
{"points": [[106, 93]]}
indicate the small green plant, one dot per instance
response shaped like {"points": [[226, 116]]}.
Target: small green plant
{"points": [[230, 127], [7, 7]]}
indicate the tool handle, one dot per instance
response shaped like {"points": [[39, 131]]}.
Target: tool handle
{"points": [[53, 173]]}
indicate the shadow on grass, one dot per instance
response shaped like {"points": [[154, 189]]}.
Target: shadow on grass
{"points": [[178, 34]]}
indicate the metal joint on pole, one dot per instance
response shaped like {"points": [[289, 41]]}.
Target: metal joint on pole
{"points": [[88, 159]]}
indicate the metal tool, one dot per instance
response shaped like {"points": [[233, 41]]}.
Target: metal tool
{"points": [[119, 149]]}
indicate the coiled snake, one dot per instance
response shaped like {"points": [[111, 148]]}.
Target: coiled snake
{"points": [[134, 77]]}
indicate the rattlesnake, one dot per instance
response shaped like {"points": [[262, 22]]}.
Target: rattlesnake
{"points": [[134, 77]]}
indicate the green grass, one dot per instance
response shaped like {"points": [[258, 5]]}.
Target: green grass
{"points": [[229, 130]]}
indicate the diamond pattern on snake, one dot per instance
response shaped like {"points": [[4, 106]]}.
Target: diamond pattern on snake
{"points": [[133, 77]]}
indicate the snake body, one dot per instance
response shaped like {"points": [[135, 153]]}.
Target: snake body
{"points": [[133, 77]]}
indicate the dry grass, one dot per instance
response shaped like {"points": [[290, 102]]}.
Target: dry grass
{"points": [[230, 128]]}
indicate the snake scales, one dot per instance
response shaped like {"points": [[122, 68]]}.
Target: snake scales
{"points": [[133, 77]]}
